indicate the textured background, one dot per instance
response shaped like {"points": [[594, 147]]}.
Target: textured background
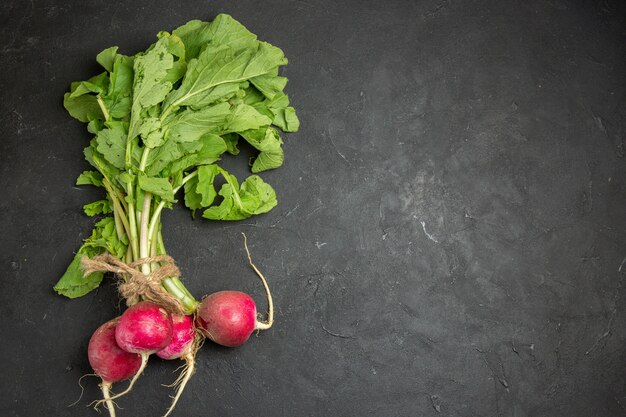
{"points": [[451, 225]]}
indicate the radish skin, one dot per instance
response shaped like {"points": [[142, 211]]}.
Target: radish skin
{"points": [[228, 318], [109, 361], [183, 334], [143, 328], [184, 345]]}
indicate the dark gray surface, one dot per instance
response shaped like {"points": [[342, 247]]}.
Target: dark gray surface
{"points": [[451, 222]]}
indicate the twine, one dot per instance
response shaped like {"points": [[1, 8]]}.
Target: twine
{"points": [[135, 285]]}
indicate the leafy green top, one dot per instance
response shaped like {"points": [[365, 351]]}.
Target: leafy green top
{"points": [[161, 120]]}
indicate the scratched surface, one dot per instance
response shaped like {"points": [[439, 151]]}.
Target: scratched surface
{"points": [[452, 221]]}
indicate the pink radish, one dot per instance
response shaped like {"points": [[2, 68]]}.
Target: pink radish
{"points": [[183, 345], [229, 317], [144, 328], [109, 362], [183, 335]]}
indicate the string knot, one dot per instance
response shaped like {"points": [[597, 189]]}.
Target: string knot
{"points": [[134, 284]]}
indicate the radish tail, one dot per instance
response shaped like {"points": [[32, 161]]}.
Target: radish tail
{"points": [[144, 362], [261, 325], [105, 386], [190, 367]]}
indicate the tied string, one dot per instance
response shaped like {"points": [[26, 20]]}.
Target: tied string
{"points": [[136, 285]]}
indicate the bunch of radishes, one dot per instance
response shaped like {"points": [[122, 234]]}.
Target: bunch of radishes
{"points": [[160, 121], [119, 349]]}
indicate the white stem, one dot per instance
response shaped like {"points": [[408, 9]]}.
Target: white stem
{"points": [[144, 241]]}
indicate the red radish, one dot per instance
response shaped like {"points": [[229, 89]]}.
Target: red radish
{"points": [[229, 317], [144, 328], [109, 362], [183, 335], [182, 346]]}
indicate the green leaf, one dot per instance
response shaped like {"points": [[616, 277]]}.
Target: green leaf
{"points": [[97, 84], [150, 85], [104, 238], [190, 126], [98, 207], [84, 108], [231, 140], [270, 85], [157, 186], [98, 161], [173, 44], [90, 178], [112, 144], [160, 158], [254, 197], [253, 97], [230, 208], [224, 30], [118, 98], [283, 116], [245, 117], [212, 146], [206, 177], [269, 143], [257, 196], [222, 64], [195, 35], [151, 133], [218, 93], [286, 119], [72, 284], [192, 198], [106, 58]]}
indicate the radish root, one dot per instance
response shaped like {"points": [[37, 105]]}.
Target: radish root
{"points": [[105, 386], [82, 389], [181, 381], [261, 325], [189, 368], [144, 362]]}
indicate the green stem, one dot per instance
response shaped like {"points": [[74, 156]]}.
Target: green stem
{"points": [[132, 222], [144, 244], [161, 245], [173, 285], [118, 225], [129, 255], [118, 211], [103, 107], [159, 209], [144, 159]]}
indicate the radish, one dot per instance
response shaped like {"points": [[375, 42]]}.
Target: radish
{"points": [[183, 335], [184, 345], [109, 361], [144, 328], [229, 317]]}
